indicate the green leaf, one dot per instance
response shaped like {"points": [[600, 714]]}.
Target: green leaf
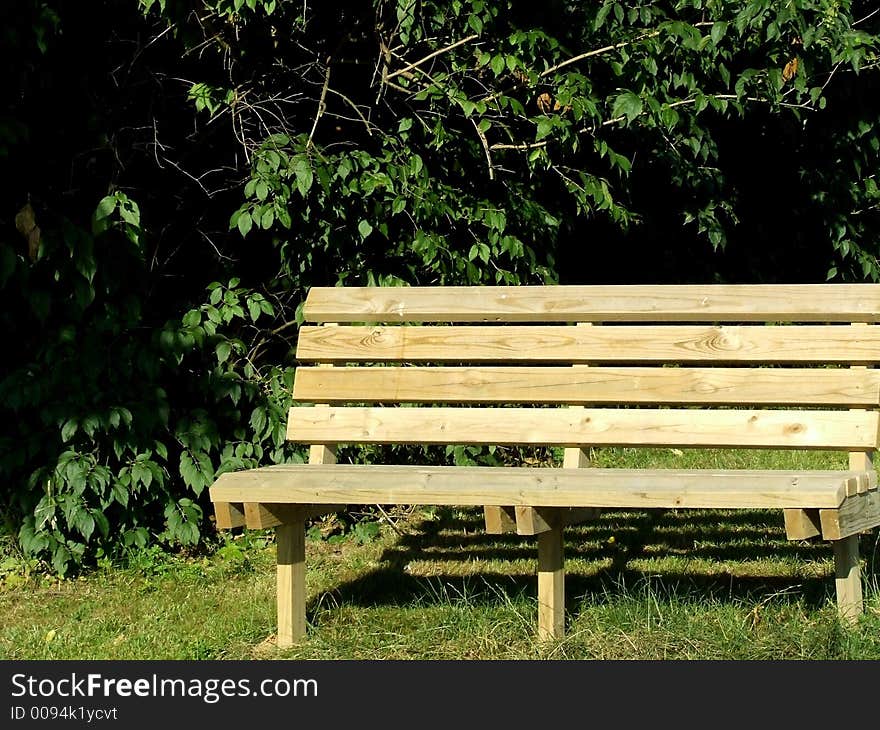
{"points": [[258, 420], [245, 223], [364, 228], [497, 64], [193, 318], [302, 169], [44, 511], [102, 522], [602, 15], [105, 207], [223, 350], [627, 105], [545, 127], [60, 558], [718, 31], [84, 522], [130, 213], [141, 473], [119, 493], [69, 429]]}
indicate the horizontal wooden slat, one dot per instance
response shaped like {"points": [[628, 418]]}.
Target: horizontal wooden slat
{"points": [[565, 385], [505, 486], [635, 303], [612, 344], [587, 427]]}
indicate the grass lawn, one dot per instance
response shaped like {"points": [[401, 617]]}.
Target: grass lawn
{"points": [[431, 584]]}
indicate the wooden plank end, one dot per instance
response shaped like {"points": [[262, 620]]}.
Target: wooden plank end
{"points": [[228, 515], [499, 520], [802, 524]]}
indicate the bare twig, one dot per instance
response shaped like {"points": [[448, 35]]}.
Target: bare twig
{"points": [[353, 106], [728, 97], [867, 17], [523, 146], [413, 65], [597, 51], [321, 104], [390, 522], [485, 143]]}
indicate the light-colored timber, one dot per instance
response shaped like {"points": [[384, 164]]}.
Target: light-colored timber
{"points": [[594, 385], [802, 524], [857, 513], [590, 426], [551, 584], [228, 515], [261, 516], [291, 583], [499, 520], [739, 366], [502, 486], [861, 460], [591, 345], [633, 303], [847, 578], [535, 520]]}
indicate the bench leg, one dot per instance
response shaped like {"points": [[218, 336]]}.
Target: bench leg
{"points": [[847, 578], [291, 583], [551, 584]]}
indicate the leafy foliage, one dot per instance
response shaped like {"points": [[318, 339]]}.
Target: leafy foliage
{"points": [[222, 157]]}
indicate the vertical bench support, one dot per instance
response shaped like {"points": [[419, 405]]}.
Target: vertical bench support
{"points": [[551, 583], [847, 578], [291, 583]]}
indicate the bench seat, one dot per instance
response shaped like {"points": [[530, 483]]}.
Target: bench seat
{"points": [[537, 487]]}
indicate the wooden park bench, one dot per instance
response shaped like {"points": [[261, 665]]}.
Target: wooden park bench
{"points": [[735, 366]]}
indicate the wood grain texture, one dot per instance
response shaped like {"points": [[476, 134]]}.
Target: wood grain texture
{"points": [[503, 486], [499, 520], [587, 427], [259, 516], [695, 303], [566, 385], [858, 513], [847, 578], [228, 516], [802, 524], [291, 583], [591, 345], [535, 520], [551, 583]]}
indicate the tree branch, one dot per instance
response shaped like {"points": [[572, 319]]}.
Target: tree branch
{"points": [[596, 52], [429, 57], [321, 104], [485, 148]]}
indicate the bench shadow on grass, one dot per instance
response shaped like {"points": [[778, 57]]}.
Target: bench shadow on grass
{"points": [[731, 557]]}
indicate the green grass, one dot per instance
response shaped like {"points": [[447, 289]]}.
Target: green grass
{"points": [[704, 584]]}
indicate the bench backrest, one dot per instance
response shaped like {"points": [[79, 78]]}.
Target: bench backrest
{"points": [[763, 366]]}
